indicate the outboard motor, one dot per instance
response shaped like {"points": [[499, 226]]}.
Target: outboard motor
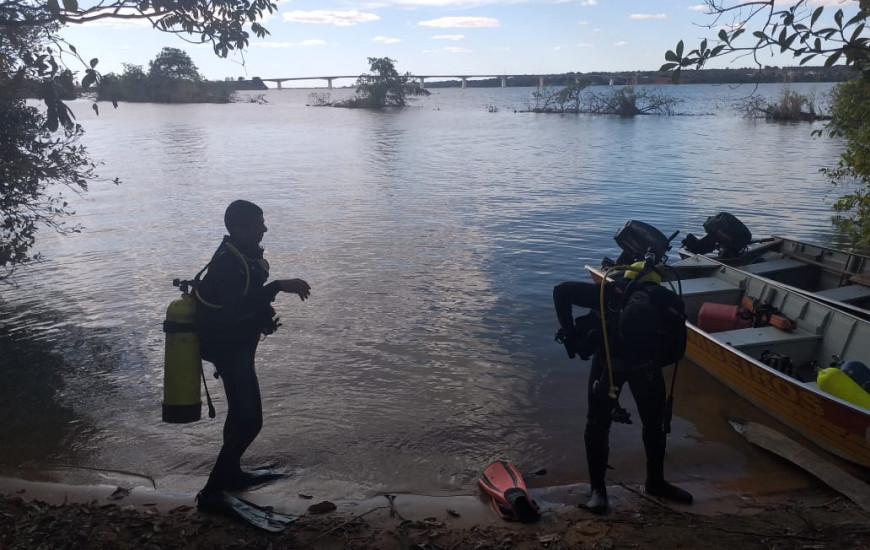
{"points": [[725, 232], [636, 239]]}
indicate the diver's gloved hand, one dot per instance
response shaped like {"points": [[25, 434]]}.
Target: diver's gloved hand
{"points": [[576, 343], [564, 337]]}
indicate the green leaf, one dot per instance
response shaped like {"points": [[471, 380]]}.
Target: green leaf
{"points": [[680, 47], [717, 50], [759, 35], [669, 66], [838, 18], [72, 49], [671, 56], [807, 58], [818, 12], [723, 36], [832, 58], [143, 5], [703, 47], [737, 33], [53, 6], [70, 5], [858, 30], [89, 79], [94, 62], [96, 109]]}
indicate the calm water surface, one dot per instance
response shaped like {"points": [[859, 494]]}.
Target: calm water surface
{"points": [[432, 238]]}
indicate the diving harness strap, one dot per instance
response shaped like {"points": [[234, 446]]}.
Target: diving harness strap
{"points": [[186, 287], [612, 393]]}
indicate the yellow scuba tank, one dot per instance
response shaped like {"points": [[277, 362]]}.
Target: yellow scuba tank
{"points": [[182, 365], [836, 382]]}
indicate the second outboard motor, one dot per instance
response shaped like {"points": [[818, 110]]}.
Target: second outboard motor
{"points": [[725, 232]]}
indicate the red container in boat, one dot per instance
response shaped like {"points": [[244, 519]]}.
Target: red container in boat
{"points": [[713, 317]]}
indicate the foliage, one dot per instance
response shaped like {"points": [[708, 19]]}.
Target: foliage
{"points": [[173, 64], [626, 101], [40, 147], [40, 160], [791, 107], [384, 87], [797, 28], [808, 33], [172, 78], [850, 122]]}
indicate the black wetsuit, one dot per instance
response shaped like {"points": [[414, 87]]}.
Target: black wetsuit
{"points": [[228, 338], [630, 364]]}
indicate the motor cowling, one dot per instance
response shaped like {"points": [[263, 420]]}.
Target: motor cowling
{"points": [[636, 239], [724, 232], [182, 365]]}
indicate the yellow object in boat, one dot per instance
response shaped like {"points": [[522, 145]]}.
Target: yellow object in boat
{"points": [[838, 383]]}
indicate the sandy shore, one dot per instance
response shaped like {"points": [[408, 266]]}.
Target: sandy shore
{"points": [[48, 515]]}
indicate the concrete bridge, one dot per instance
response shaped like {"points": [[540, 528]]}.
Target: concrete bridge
{"points": [[421, 79]]}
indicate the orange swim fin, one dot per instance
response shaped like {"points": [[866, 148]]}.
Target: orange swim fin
{"points": [[504, 485]]}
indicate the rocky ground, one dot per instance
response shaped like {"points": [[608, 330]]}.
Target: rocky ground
{"points": [[808, 519]]}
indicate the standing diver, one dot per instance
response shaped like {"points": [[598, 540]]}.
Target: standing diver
{"points": [[233, 311], [644, 331]]}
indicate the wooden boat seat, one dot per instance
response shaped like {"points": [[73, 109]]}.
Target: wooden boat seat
{"points": [[774, 266], [799, 344], [847, 294]]}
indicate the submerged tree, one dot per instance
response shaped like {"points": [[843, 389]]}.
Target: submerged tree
{"points": [[808, 30], [383, 87], [790, 107], [627, 101]]}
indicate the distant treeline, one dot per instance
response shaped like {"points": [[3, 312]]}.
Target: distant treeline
{"points": [[837, 73]]}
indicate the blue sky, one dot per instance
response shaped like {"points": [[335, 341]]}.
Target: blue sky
{"points": [[313, 38]]}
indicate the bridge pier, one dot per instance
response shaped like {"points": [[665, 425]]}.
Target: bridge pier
{"points": [[504, 82], [329, 83], [540, 82], [422, 83]]}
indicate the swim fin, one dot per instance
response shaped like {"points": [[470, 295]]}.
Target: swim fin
{"points": [[221, 502], [507, 491], [249, 479]]}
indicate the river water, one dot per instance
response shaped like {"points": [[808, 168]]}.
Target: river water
{"points": [[431, 237]]}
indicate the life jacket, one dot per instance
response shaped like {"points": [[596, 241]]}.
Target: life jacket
{"points": [[651, 326]]}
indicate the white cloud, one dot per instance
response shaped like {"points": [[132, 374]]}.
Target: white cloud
{"points": [[386, 40], [642, 16], [453, 37], [460, 22], [698, 7], [302, 44], [589, 3], [583, 22], [620, 44], [345, 18], [449, 49]]}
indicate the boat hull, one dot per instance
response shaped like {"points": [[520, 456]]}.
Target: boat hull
{"points": [[832, 425]]}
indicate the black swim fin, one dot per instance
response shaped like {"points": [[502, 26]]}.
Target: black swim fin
{"points": [[221, 502], [248, 479]]}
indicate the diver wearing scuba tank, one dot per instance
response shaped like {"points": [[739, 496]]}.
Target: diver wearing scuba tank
{"points": [[233, 310], [643, 330]]}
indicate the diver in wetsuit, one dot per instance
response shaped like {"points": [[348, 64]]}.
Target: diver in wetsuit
{"points": [[233, 311], [646, 332]]}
